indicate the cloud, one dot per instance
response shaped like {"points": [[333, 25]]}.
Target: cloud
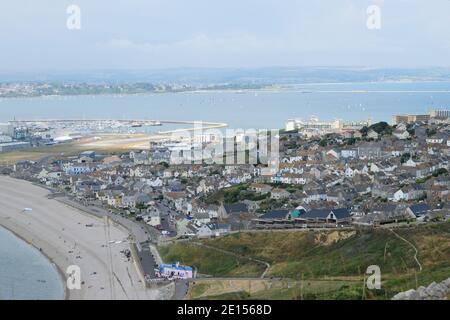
{"points": [[144, 33]]}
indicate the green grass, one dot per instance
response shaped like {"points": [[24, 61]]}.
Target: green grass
{"points": [[210, 262], [237, 295], [279, 290], [229, 195], [313, 290], [308, 255]]}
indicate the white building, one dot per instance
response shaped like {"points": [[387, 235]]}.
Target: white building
{"points": [[153, 219], [349, 153]]}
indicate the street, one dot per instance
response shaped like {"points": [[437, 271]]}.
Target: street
{"points": [[166, 218]]}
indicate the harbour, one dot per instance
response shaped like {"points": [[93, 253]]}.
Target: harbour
{"points": [[266, 109]]}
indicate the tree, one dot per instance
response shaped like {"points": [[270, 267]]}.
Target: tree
{"points": [[164, 164], [430, 132], [381, 128], [405, 157]]}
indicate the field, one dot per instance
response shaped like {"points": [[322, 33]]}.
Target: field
{"points": [[275, 289], [321, 258], [103, 143], [211, 262]]}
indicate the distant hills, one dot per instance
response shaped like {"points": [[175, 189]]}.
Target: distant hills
{"points": [[229, 76]]}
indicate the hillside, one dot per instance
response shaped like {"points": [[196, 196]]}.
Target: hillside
{"points": [[332, 255]]}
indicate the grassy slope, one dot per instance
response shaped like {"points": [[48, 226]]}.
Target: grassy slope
{"points": [[210, 262], [312, 256]]}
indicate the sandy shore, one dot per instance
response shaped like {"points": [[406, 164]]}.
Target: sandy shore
{"points": [[62, 234]]}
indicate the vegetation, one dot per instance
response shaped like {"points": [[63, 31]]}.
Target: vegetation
{"points": [[350, 141], [210, 262], [271, 204], [382, 128], [333, 255], [405, 157], [274, 289], [440, 172], [430, 132], [323, 143], [115, 143], [235, 194], [411, 130], [435, 174]]}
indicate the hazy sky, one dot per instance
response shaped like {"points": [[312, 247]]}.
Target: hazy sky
{"points": [[129, 34]]}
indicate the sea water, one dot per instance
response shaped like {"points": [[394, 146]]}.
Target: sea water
{"points": [[25, 273], [246, 109]]}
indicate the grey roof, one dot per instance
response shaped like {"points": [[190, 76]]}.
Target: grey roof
{"points": [[201, 215], [236, 208], [142, 198], [218, 226], [317, 214], [275, 214], [386, 207], [420, 209], [341, 213]]}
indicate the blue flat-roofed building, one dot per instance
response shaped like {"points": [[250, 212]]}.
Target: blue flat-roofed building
{"points": [[174, 271]]}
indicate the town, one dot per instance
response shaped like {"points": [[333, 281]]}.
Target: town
{"points": [[344, 176]]}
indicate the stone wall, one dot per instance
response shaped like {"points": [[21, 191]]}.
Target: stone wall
{"points": [[435, 291]]}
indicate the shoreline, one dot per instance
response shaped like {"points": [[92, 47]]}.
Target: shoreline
{"points": [[68, 236], [269, 87], [57, 268]]}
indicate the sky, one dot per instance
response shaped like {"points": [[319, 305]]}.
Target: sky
{"points": [[150, 34]]}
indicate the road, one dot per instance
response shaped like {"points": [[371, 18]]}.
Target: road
{"points": [[181, 289], [167, 216]]}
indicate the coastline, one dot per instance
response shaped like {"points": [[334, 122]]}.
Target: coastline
{"points": [[65, 237], [59, 271], [269, 87]]}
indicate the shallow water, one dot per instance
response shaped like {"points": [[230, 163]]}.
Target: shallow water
{"points": [[25, 273]]}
